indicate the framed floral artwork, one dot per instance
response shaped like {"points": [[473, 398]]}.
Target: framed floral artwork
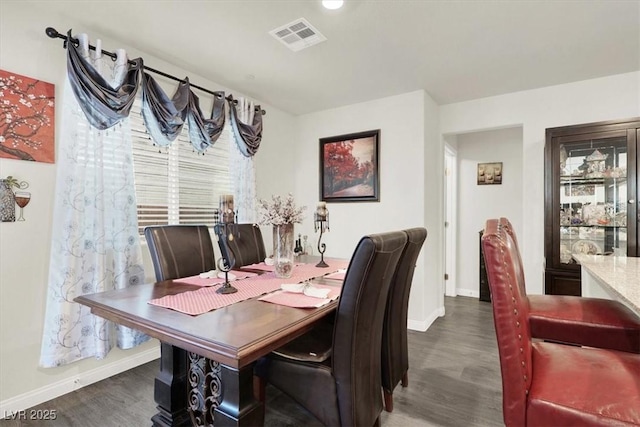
{"points": [[27, 118], [349, 170]]}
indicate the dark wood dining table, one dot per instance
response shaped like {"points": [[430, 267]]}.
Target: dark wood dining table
{"points": [[235, 336]]}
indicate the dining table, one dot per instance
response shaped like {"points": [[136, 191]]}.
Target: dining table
{"points": [[230, 339]]}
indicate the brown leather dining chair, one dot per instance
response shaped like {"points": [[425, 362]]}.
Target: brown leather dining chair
{"points": [[593, 322], [246, 246], [551, 384], [395, 350], [180, 250], [334, 370]]}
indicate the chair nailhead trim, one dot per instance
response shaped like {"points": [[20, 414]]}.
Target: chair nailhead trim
{"points": [[515, 310]]}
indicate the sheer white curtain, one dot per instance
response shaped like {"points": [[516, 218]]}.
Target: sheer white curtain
{"points": [[242, 168], [95, 245]]}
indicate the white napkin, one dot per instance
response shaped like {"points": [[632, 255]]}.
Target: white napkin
{"points": [[297, 288], [312, 291], [305, 288], [211, 274], [269, 261], [231, 275]]}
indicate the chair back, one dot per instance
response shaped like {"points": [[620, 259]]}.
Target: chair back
{"points": [[508, 228], [511, 318], [395, 355], [180, 250], [357, 334], [246, 247]]}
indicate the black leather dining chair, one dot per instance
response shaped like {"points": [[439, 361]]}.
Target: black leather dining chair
{"points": [[180, 250], [395, 350], [246, 245], [334, 370]]}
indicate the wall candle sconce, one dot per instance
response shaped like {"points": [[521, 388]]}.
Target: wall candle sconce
{"points": [[225, 227], [321, 222]]}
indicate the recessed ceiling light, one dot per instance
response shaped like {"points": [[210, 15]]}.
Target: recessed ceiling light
{"points": [[332, 4]]}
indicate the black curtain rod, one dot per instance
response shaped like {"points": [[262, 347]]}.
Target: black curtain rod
{"points": [[54, 34]]}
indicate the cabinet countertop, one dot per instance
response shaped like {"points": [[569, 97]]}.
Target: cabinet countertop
{"points": [[619, 274]]}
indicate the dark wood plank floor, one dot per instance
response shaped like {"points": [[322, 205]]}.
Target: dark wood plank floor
{"points": [[454, 380]]}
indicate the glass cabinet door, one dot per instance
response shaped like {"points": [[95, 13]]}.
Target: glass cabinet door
{"points": [[593, 197]]}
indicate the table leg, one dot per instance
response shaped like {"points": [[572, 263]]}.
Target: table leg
{"points": [[170, 391], [239, 406]]}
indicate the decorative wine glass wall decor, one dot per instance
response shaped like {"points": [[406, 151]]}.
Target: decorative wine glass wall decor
{"points": [[11, 194], [22, 200]]}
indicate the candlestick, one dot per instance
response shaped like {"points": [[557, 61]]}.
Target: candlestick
{"points": [[321, 211], [227, 212], [225, 228], [321, 223], [226, 287]]}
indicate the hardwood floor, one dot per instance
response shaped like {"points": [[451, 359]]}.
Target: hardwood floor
{"points": [[454, 380]]}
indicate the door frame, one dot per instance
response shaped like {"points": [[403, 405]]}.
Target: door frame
{"points": [[450, 217]]}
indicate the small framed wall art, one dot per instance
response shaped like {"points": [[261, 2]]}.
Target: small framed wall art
{"points": [[489, 173]]}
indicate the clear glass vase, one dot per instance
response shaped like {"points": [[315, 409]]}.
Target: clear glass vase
{"points": [[283, 239]]}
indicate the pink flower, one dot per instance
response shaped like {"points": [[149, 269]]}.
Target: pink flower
{"points": [[278, 211]]}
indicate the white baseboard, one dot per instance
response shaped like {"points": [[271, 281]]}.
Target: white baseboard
{"points": [[75, 382], [468, 293], [421, 326]]}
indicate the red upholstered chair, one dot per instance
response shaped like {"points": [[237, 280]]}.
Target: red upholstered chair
{"points": [[395, 351], [593, 322], [549, 384]]}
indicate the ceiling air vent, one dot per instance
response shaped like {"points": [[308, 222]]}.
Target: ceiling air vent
{"points": [[298, 35]]}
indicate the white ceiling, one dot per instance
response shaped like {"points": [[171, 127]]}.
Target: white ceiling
{"points": [[455, 50]]}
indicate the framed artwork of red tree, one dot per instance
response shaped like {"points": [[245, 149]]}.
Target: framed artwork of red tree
{"points": [[27, 118], [349, 169]]}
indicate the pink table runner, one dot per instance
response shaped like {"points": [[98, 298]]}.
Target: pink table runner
{"points": [[199, 281], [298, 300], [206, 299]]}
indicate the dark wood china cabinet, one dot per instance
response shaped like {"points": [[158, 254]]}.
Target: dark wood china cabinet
{"points": [[591, 197]]}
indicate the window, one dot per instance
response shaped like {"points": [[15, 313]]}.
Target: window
{"points": [[177, 185]]}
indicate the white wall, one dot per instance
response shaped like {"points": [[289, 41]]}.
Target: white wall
{"points": [[405, 137], [607, 98], [24, 246], [476, 203]]}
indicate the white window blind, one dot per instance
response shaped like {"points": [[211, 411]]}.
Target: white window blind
{"points": [[176, 185]]}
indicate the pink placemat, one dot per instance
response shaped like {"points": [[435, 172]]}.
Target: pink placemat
{"points": [[206, 299], [199, 281], [299, 300]]}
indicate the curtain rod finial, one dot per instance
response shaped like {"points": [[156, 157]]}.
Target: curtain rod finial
{"points": [[52, 32]]}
